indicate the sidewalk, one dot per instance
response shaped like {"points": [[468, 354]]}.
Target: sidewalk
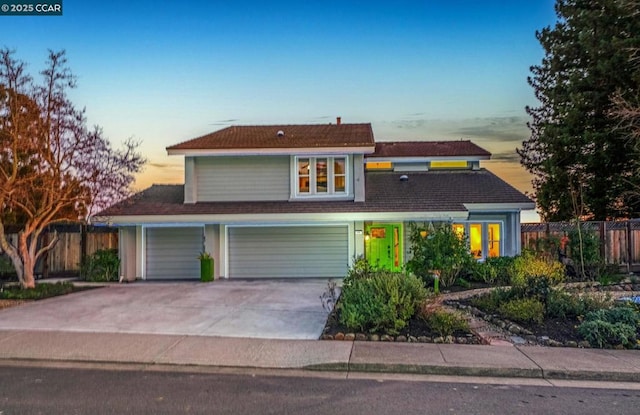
{"points": [[417, 358]]}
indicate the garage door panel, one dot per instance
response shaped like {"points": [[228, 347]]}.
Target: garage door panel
{"points": [[172, 253], [283, 252]]}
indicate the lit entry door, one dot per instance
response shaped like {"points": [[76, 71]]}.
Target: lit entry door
{"points": [[383, 246]]}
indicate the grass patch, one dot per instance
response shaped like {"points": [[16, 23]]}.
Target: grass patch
{"points": [[41, 291]]}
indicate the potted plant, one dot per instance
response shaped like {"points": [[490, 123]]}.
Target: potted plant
{"points": [[206, 267]]}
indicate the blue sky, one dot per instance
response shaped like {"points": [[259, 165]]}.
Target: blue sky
{"points": [[164, 72]]}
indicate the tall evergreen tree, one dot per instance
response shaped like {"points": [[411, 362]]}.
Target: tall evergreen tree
{"points": [[581, 159]]}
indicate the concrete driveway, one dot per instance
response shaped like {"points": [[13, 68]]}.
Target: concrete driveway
{"points": [[276, 309]]}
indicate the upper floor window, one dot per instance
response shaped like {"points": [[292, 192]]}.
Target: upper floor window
{"points": [[318, 176]]}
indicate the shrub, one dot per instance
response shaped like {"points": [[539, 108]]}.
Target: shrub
{"points": [[484, 272], [361, 268], [101, 266], [523, 310], [601, 333], [6, 267], [441, 250], [385, 301], [611, 327], [584, 251], [561, 304], [445, 323], [528, 265], [491, 301]]}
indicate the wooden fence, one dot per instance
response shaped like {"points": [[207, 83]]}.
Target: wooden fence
{"points": [[619, 241], [75, 242]]}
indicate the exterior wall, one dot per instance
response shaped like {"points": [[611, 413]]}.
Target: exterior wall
{"points": [[127, 252], [358, 178], [242, 178], [190, 182]]}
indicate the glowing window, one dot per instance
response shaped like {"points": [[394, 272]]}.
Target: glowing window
{"points": [[494, 239], [452, 164], [321, 176], [379, 165], [475, 239]]}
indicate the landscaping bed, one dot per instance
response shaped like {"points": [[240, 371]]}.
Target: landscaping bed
{"points": [[416, 331]]}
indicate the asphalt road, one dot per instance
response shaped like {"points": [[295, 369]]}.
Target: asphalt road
{"points": [[34, 390]]}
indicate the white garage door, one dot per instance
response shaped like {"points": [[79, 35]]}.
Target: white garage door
{"points": [[172, 253], [288, 252]]}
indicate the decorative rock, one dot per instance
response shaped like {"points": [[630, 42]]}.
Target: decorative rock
{"points": [[543, 340], [555, 343], [424, 339], [461, 340], [386, 338], [448, 339], [374, 338], [571, 343], [514, 328], [584, 344], [438, 339], [326, 337], [361, 337], [412, 339], [531, 338], [526, 332], [401, 339], [517, 340], [350, 337], [339, 336]]}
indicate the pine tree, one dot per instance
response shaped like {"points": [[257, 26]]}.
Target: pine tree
{"points": [[576, 146]]}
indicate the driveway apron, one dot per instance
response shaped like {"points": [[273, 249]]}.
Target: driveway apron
{"points": [[274, 309]]}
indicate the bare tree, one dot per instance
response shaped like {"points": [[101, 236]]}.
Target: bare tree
{"points": [[52, 167]]}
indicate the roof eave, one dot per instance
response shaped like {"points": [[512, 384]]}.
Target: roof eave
{"points": [[272, 151]]}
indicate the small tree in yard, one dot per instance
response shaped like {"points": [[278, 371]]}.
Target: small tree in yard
{"points": [[440, 251], [52, 167]]}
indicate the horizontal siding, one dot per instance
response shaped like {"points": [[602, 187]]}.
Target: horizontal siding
{"points": [[172, 253], [288, 252], [231, 179]]}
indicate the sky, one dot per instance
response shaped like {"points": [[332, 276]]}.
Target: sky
{"points": [[165, 72]]}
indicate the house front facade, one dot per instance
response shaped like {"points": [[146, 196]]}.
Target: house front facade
{"points": [[297, 201]]}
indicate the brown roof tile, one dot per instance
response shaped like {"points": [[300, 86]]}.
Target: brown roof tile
{"points": [[295, 136], [433, 191], [429, 149]]}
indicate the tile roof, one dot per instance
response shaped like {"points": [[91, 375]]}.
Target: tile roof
{"points": [[295, 136], [433, 191], [462, 148]]}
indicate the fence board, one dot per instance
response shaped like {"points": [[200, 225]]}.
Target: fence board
{"points": [[620, 240], [66, 255]]}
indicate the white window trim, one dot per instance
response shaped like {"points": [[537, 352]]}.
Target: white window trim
{"points": [[313, 194]]}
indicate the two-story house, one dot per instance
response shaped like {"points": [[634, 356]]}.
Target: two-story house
{"points": [[278, 201]]}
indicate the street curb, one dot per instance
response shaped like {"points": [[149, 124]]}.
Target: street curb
{"points": [[592, 375], [432, 370]]}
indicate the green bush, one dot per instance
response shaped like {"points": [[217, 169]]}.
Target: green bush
{"points": [[6, 267], [384, 301], [587, 263], [102, 266], [42, 290], [491, 301], [445, 323], [602, 334], [611, 327], [561, 304], [493, 271], [523, 310], [528, 265], [361, 268], [441, 250]]}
